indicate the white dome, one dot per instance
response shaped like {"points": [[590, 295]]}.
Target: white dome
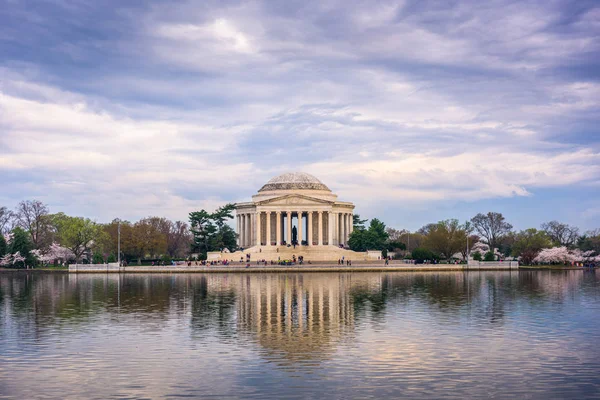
{"points": [[294, 180]]}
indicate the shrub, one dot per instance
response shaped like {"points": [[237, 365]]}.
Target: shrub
{"points": [[420, 254]]}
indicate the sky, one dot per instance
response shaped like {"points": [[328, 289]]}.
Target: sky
{"points": [[416, 111]]}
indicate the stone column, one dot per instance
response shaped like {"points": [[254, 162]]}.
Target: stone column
{"points": [[248, 230], [242, 230], [237, 229], [257, 229], [336, 228], [348, 224], [351, 224], [300, 233], [309, 219], [345, 220], [330, 228], [268, 213], [342, 233], [288, 239], [278, 235], [320, 227], [343, 229]]}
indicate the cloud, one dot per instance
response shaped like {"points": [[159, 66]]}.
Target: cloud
{"points": [[156, 109]]}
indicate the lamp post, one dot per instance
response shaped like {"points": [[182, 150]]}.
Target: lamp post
{"points": [[119, 242]]}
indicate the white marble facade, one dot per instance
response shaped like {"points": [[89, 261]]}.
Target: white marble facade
{"points": [[294, 200]]}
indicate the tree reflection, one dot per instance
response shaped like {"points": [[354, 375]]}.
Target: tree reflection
{"points": [[294, 315]]}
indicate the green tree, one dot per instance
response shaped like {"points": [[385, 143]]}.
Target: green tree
{"points": [[21, 243], [98, 258], [529, 243], [445, 238], [590, 241], [421, 254], [489, 256], [210, 230], [149, 239], [357, 222], [373, 238], [3, 246], [477, 256], [76, 233]]}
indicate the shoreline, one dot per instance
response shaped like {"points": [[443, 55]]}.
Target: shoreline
{"points": [[288, 269]]}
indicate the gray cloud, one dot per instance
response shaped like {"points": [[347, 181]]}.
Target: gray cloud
{"points": [[163, 109]]}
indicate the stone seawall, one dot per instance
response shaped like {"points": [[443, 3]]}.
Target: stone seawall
{"points": [[321, 267], [499, 265]]}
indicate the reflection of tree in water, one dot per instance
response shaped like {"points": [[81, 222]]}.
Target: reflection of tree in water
{"points": [[213, 304], [302, 316]]}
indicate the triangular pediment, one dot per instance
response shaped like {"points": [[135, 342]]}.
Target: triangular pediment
{"points": [[292, 199]]}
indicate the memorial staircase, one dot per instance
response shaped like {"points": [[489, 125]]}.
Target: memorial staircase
{"points": [[276, 253]]}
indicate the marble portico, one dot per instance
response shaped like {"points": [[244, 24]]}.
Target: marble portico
{"points": [[295, 209]]}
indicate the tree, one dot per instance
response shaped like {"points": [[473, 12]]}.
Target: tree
{"points": [[561, 234], [179, 238], [7, 219], [373, 238], [491, 227], [555, 255], [445, 238], [32, 215], [590, 241], [76, 233], [3, 246], [395, 234], [529, 243], [506, 243], [358, 223], [477, 256], [420, 255], [470, 242], [19, 248], [148, 239], [56, 253], [203, 229], [489, 256], [210, 230]]}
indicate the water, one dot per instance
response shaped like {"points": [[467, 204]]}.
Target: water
{"points": [[272, 336]]}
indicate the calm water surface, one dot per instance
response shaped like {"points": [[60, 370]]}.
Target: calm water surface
{"points": [[272, 336]]}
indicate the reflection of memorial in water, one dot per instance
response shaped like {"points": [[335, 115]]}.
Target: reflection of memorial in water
{"points": [[302, 316]]}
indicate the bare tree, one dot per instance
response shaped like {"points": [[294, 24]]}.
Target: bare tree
{"points": [[7, 220], [491, 227], [561, 234], [395, 234], [32, 215], [179, 239]]}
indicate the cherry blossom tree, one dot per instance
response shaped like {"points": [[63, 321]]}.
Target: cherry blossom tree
{"points": [[55, 252], [555, 255], [12, 259]]}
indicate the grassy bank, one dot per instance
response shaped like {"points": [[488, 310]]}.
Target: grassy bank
{"points": [[548, 267]]}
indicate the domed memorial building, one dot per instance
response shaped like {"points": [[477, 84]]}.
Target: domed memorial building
{"points": [[294, 214]]}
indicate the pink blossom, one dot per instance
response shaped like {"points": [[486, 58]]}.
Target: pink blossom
{"points": [[556, 255], [12, 259]]}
